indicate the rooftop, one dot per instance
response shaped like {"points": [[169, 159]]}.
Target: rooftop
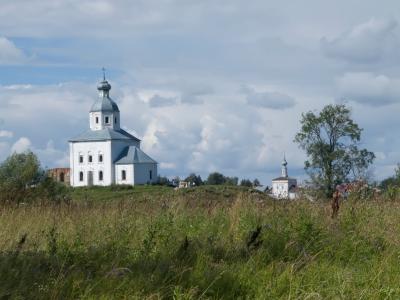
{"points": [[133, 155], [104, 135]]}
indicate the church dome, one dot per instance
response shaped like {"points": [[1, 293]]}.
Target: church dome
{"points": [[104, 102]]}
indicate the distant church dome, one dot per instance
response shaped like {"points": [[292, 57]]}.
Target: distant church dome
{"points": [[104, 103]]}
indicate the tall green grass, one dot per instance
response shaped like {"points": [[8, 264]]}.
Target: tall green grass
{"points": [[202, 243]]}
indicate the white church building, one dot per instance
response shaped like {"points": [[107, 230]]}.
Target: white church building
{"points": [[106, 154], [284, 186]]}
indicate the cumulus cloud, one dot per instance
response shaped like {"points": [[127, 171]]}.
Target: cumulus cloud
{"points": [[366, 42], [59, 158], [6, 133], [21, 145], [9, 53], [177, 50], [368, 88], [272, 100], [195, 95], [159, 101]]}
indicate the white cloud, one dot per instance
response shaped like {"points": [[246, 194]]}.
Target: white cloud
{"points": [[197, 52], [4, 150], [159, 101], [272, 100], [21, 145], [6, 133], [9, 53], [366, 42], [167, 165], [368, 88], [58, 157]]}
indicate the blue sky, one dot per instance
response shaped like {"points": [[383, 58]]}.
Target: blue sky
{"points": [[207, 85]]}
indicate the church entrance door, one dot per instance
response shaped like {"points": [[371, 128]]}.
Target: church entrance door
{"points": [[90, 178]]}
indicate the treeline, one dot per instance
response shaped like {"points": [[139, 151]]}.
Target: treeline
{"points": [[214, 178]]}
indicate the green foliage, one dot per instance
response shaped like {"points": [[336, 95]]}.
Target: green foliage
{"points": [[163, 180], [23, 180], [249, 183], [393, 181], [196, 179], [246, 182], [218, 179], [19, 174], [330, 140]]}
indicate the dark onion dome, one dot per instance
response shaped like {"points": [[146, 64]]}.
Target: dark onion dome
{"points": [[104, 103], [104, 86]]}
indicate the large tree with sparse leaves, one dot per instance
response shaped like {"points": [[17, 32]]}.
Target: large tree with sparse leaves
{"points": [[331, 140]]}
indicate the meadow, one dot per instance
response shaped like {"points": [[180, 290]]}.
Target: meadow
{"points": [[210, 242]]}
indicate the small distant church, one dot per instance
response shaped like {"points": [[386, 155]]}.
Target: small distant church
{"points": [[284, 187], [106, 154]]}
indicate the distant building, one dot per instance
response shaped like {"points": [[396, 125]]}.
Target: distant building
{"points": [[106, 154], [186, 184], [61, 175], [284, 187]]}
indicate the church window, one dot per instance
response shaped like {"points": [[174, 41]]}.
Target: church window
{"points": [[123, 175], [107, 120], [97, 120], [100, 175], [100, 157], [62, 177], [90, 158], [151, 174], [80, 158], [80, 176]]}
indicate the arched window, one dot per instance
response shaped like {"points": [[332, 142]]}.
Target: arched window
{"points": [[90, 157], [123, 175], [100, 175], [100, 157], [80, 158], [115, 120], [62, 177], [151, 174], [80, 176]]}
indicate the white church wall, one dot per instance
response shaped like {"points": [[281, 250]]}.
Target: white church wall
{"points": [[116, 149], [142, 173], [129, 179], [113, 120], [95, 149], [280, 189]]}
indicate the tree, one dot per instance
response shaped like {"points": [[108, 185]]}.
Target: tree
{"points": [[231, 180], [256, 183], [163, 180], [175, 181], [18, 174], [218, 178], [246, 182], [393, 181], [331, 140], [215, 178], [22, 179], [196, 179]]}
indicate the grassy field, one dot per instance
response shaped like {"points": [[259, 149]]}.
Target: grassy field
{"points": [[202, 243]]}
